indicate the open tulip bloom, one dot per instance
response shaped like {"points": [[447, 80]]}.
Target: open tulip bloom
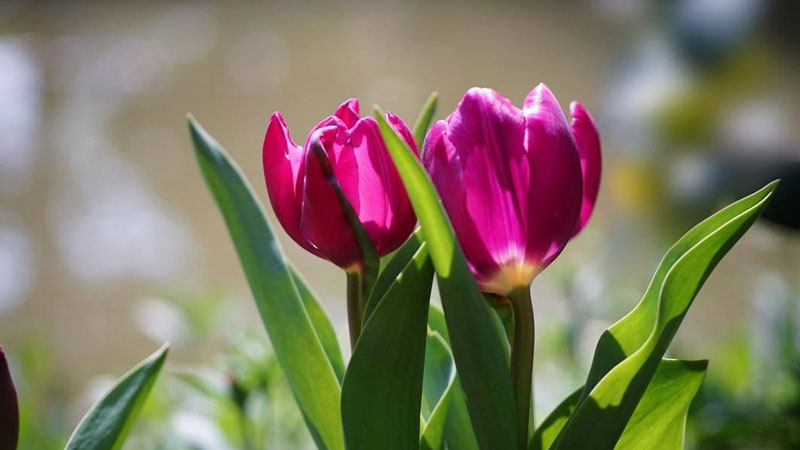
{"points": [[498, 192]]}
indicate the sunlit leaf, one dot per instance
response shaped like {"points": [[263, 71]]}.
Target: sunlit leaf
{"points": [[424, 119], [548, 431], [107, 424], [659, 421], [628, 353]]}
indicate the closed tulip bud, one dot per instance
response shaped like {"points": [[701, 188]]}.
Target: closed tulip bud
{"points": [[518, 184], [305, 202]]}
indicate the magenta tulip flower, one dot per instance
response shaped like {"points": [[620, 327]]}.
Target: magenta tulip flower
{"points": [[9, 410], [305, 203], [517, 184]]}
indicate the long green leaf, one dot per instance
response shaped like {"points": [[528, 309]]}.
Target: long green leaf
{"points": [[436, 322], [295, 341], [659, 422], [322, 324], [458, 429], [629, 352], [548, 431], [107, 424], [389, 273], [477, 349], [382, 388], [439, 372], [437, 386], [424, 119]]}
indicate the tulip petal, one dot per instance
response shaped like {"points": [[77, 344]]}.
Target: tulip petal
{"points": [[442, 161], [554, 200], [9, 408], [401, 223], [283, 169], [348, 112], [322, 220], [588, 141], [487, 132]]}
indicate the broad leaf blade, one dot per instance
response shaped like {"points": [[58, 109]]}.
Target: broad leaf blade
{"points": [[476, 348], [659, 422], [290, 329], [383, 384], [607, 406], [424, 119], [629, 333], [107, 424], [322, 324]]}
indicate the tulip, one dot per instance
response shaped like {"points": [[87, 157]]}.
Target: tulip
{"points": [[307, 205], [517, 186], [9, 410]]}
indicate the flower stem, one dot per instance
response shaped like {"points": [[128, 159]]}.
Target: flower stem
{"points": [[355, 303], [522, 358]]}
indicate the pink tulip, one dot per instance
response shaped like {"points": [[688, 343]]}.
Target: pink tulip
{"points": [[517, 184], [305, 203]]}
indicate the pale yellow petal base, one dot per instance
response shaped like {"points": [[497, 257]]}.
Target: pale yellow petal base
{"points": [[513, 275]]}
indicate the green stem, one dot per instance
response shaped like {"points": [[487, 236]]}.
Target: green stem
{"points": [[522, 358], [355, 304]]}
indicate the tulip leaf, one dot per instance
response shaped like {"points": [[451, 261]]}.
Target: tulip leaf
{"points": [[107, 424], [439, 372], [458, 429], [9, 408], [547, 432], [424, 119], [322, 324], [437, 386], [381, 393], [396, 264], [628, 353], [436, 322], [291, 331], [476, 347], [458, 432], [659, 421]]}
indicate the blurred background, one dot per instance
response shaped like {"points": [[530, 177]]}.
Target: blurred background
{"points": [[110, 242]]}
